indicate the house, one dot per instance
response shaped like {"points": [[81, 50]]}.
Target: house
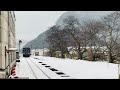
{"points": [[40, 52]]}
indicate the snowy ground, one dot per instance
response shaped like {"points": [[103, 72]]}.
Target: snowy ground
{"points": [[73, 69], [31, 68]]}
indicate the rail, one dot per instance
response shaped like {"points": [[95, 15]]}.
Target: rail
{"points": [[40, 69], [31, 69]]}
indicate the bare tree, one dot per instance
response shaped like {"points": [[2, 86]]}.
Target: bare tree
{"points": [[94, 34], [57, 40], [111, 33], [72, 26], [90, 32], [85, 34]]}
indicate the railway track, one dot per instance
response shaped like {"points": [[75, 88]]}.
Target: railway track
{"points": [[33, 71]]}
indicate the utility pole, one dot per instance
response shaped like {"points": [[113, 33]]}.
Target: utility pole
{"points": [[31, 47], [35, 49], [118, 70], [43, 48], [19, 47]]}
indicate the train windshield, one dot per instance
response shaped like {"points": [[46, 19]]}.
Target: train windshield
{"points": [[26, 49]]}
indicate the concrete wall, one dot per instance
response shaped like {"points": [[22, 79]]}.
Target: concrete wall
{"points": [[7, 34], [4, 39]]}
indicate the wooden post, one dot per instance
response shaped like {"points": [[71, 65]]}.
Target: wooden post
{"points": [[118, 72]]}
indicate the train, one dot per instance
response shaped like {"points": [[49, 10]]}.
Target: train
{"points": [[26, 52]]}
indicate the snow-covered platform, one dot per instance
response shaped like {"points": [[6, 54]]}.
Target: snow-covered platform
{"points": [[36, 69], [39, 67]]}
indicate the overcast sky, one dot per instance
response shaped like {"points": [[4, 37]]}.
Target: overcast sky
{"points": [[29, 24]]}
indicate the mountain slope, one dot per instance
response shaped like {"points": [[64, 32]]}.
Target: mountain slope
{"points": [[38, 42]]}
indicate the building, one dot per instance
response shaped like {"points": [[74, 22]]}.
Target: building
{"points": [[7, 43], [40, 52]]}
